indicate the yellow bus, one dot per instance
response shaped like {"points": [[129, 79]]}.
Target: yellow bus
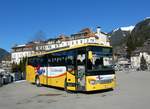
{"points": [[85, 67]]}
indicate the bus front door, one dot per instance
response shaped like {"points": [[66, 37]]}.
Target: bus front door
{"points": [[80, 78], [76, 78], [71, 78]]}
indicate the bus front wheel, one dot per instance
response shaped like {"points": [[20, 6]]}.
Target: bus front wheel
{"points": [[37, 81]]}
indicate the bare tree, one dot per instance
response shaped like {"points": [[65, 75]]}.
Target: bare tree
{"points": [[39, 36]]}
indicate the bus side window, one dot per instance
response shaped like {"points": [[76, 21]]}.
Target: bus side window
{"points": [[70, 61], [36, 62], [97, 62], [81, 59], [89, 64], [49, 61], [43, 61], [81, 56], [63, 60], [69, 57], [30, 61]]}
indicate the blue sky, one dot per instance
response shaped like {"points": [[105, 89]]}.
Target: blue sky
{"points": [[20, 20]]}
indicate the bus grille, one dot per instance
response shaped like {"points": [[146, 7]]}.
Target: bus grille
{"points": [[106, 81]]}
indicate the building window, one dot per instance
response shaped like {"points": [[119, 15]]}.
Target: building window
{"points": [[92, 40], [86, 40], [76, 42], [14, 56]]}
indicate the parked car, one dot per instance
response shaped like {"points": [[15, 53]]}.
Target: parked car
{"points": [[5, 78], [1, 80]]}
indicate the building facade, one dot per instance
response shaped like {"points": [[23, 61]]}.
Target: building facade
{"points": [[136, 59], [138, 53], [20, 51], [83, 37]]}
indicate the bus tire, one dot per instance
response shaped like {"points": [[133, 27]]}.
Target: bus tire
{"points": [[37, 81], [65, 85]]}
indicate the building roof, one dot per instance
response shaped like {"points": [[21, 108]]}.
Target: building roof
{"points": [[84, 33], [18, 46]]}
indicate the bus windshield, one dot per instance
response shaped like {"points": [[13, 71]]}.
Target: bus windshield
{"points": [[101, 58]]}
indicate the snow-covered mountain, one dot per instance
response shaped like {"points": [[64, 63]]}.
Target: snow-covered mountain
{"points": [[128, 28], [131, 37], [146, 18], [118, 35], [3, 54]]}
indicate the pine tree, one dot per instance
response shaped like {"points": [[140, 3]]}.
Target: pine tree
{"points": [[143, 64], [22, 67], [14, 67], [130, 45]]}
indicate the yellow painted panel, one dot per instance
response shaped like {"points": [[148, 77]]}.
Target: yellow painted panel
{"points": [[43, 79], [71, 88], [57, 81], [30, 74], [71, 79], [98, 86]]}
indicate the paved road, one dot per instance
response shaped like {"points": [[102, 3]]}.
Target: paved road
{"points": [[132, 92]]}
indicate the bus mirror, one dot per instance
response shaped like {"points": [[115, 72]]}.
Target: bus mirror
{"points": [[90, 55]]}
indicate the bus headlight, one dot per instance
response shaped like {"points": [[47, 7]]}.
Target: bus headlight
{"points": [[93, 82]]}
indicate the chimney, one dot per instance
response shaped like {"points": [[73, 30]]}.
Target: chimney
{"points": [[98, 29]]}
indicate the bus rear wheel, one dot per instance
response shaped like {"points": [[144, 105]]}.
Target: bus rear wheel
{"points": [[37, 81], [65, 85]]}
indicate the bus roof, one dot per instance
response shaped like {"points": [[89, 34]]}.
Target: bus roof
{"points": [[70, 48]]}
